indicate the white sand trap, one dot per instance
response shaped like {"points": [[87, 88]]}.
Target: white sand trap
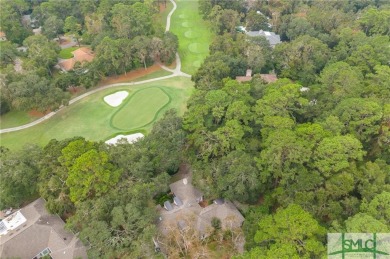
{"points": [[116, 99], [130, 138]]}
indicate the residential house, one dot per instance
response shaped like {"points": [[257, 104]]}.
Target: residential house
{"points": [[32, 232], [272, 38], [188, 204], [268, 78], [81, 55]]}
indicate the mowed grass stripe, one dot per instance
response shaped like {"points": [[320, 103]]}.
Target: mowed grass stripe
{"points": [[140, 109], [189, 27]]}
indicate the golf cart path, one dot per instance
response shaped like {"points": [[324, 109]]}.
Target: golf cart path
{"points": [[175, 72]]}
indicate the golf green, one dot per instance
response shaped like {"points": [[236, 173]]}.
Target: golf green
{"points": [[191, 34], [140, 109], [186, 24], [91, 116]]}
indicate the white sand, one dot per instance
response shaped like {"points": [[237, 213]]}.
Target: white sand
{"points": [[116, 99], [130, 138]]}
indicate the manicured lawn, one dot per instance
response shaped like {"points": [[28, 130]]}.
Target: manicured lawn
{"points": [[194, 35], [155, 74], [67, 53], [15, 118], [90, 117], [148, 100], [163, 15]]}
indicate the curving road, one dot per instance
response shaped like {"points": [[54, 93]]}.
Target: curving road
{"points": [[175, 72]]}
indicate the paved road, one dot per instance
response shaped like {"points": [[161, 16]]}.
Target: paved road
{"points": [[175, 72]]}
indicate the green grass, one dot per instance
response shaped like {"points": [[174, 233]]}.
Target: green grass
{"points": [[90, 117], [148, 100], [15, 118], [155, 74], [67, 53], [194, 35], [163, 15]]}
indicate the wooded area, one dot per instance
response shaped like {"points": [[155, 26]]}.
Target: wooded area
{"points": [[125, 35]]}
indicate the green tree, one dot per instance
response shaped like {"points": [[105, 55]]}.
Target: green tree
{"points": [[298, 27], [34, 92], [91, 175], [224, 20], [364, 223], [109, 57], [238, 178], [378, 207], [377, 85], [52, 178], [339, 81], [372, 178], [301, 59], [52, 28], [130, 21], [41, 52], [10, 20], [73, 26], [18, 176], [335, 153], [290, 232], [256, 21], [8, 53], [360, 117], [374, 21]]}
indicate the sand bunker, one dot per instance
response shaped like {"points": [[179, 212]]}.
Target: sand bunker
{"points": [[116, 99], [130, 138]]}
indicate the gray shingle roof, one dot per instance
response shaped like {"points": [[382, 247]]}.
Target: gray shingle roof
{"points": [[168, 206], [272, 38], [41, 230], [177, 201]]}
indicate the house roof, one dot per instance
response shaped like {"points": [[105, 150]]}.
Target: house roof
{"points": [[40, 230], [269, 78], [219, 201], [243, 78], [272, 38], [2, 34], [186, 191], [81, 55], [168, 205], [201, 217], [177, 201], [228, 214]]}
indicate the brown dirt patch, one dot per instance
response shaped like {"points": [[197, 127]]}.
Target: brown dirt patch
{"points": [[260, 200], [76, 90], [173, 65], [130, 75], [35, 113], [163, 7]]}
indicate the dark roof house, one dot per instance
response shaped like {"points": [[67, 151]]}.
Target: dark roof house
{"points": [[32, 232], [272, 38]]}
